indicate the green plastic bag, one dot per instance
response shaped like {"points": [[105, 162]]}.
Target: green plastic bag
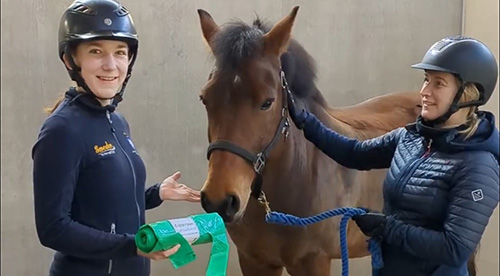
{"points": [[192, 230]]}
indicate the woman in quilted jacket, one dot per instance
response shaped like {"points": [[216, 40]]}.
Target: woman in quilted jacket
{"points": [[443, 180]]}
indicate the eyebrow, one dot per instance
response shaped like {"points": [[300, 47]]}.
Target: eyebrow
{"points": [[98, 44], [442, 79], [437, 77]]}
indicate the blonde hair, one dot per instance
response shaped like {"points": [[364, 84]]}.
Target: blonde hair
{"points": [[471, 93], [50, 109]]}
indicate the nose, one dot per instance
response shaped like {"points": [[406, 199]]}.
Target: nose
{"points": [[226, 208], [425, 91], [109, 62]]}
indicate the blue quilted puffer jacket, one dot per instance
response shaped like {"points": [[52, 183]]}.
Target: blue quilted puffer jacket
{"points": [[439, 192]]}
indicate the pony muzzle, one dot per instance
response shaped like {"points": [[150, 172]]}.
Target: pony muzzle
{"points": [[227, 208]]}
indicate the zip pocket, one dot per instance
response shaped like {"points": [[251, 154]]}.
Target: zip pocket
{"points": [[113, 231]]}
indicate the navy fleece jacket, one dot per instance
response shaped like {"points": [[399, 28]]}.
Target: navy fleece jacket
{"points": [[89, 190]]}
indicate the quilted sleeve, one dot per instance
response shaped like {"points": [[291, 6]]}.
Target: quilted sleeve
{"points": [[472, 201], [376, 153]]}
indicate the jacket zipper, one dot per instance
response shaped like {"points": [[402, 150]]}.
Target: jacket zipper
{"points": [[428, 151], [113, 231], [409, 172], [108, 115]]}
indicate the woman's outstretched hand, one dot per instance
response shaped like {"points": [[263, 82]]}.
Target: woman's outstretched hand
{"points": [[170, 189]]}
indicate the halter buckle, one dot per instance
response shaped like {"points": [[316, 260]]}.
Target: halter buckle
{"points": [[259, 163]]}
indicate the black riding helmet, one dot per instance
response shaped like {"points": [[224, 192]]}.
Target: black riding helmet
{"points": [[86, 20], [470, 61]]}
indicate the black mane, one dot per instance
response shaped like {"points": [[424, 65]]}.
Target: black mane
{"points": [[237, 41]]}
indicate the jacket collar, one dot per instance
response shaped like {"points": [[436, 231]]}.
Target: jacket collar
{"points": [[450, 140], [87, 100], [445, 135]]}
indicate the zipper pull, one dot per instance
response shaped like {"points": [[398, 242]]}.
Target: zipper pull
{"points": [[113, 231], [110, 121], [109, 117], [428, 151]]}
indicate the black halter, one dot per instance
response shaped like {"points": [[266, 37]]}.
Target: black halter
{"points": [[258, 161]]}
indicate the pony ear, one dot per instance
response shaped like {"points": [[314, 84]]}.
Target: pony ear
{"points": [[276, 40], [208, 26]]}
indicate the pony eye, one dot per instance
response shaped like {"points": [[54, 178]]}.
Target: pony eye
{"points": [[267, 104]]}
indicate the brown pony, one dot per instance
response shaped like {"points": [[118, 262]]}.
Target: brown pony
{"points": [[254, 149]]}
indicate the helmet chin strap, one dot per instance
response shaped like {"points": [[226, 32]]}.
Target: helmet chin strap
{"points": [[119, 96]]}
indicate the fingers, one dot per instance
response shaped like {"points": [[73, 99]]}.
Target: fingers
{"points": [[194, 196], [171, 251], [160, 255], [176, 176], [195, 192], [194, 199], [192, 193]]}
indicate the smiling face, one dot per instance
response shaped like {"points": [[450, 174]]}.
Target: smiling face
{"points": [[437, 94], [104, 65]]}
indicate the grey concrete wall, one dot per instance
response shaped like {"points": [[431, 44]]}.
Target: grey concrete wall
{"points": [[481, 21], [362, 49]]}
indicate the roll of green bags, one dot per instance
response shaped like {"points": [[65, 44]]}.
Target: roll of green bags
{"points": [[192, 230]]}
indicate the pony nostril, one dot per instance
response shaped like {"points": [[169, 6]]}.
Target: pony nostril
{"points": [[226, 208], [235, 203], [232, 205]]}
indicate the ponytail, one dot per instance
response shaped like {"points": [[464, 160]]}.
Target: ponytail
{"points": [[471, 93], [49, 110]]}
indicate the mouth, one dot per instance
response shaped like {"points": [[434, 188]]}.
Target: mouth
{"points": [[427, 104], [107, 79], [234, 220], [230, 219]]}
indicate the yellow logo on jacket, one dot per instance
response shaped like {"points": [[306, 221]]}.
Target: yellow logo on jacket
{"points": [[105, 149]]}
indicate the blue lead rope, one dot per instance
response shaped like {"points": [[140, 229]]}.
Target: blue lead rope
{"points": [[348, 213]]}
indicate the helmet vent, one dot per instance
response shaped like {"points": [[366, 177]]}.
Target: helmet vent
{"points": [[122, 11], [82, 9], [441, 44], [447, 41], [459, 38]]}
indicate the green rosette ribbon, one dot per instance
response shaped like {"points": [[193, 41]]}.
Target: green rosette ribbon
{"points": [[189, 231]]}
